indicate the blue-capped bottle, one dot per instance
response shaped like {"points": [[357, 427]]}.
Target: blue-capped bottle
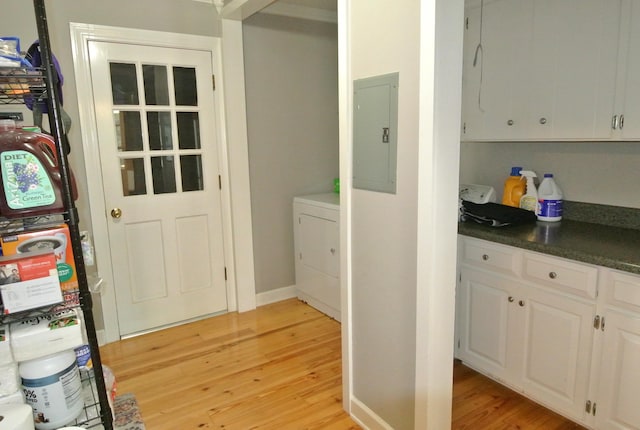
{"points": [[550, 199]]}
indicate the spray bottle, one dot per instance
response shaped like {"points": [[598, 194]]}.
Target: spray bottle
{"points": [[529, 200]]}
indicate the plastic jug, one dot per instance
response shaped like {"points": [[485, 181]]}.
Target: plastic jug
{"points": [[30, 180], [514, 187], [550, 197]]}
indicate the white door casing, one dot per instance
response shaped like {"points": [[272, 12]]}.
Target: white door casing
{"points": [[159, 162], [81, 35]]}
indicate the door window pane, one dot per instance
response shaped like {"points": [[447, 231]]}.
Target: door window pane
{"points": [[132, 172], [156, 90], [164, 175], [184, 80], [128, 130], [188, 130], [159, 126], [124, 84], [191, 166]]}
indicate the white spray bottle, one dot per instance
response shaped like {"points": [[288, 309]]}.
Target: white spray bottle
{"points": [[529, 199]]}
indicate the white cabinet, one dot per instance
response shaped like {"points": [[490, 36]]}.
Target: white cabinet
{"points": [[316, 220], [619, 373], [546, 69], [530, 335], [626, 122]]}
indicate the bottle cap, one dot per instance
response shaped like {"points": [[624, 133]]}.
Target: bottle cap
{"points": [[515, 171], [548, 175]]}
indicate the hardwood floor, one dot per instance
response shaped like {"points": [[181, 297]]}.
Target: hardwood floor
{"points": [[278, 367]]}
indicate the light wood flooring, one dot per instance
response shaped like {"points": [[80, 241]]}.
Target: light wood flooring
{"points": [[278, 367]]}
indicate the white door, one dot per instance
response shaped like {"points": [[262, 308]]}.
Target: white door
{"points": [[158, 148]]}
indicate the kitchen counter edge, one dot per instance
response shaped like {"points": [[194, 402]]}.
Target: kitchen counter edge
{"points": [[613, 247]]}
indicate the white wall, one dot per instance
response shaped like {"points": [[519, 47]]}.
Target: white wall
{"points": [[605, 173], [384, 39], [291, 80]]}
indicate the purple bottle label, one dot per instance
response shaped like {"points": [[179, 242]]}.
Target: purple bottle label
{"points": [[550, 208]]}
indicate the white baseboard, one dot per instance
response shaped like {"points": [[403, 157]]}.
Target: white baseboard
{"points": [[366, 417], [276, 295]]}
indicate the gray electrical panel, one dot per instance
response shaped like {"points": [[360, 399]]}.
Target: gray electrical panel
{"points": [[375, 131]]}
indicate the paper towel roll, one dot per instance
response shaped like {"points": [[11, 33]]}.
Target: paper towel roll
{"points": [[9, 379], [5, 345], [16, 398], [16, 417]]}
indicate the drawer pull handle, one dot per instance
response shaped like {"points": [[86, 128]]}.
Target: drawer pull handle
{"points": [[485, 257], [553, 275], [511, 299], [521, 303]]}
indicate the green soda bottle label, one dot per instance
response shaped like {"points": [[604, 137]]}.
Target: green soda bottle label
{"points": [[26, 183]]}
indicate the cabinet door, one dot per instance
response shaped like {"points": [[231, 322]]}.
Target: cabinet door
{"points": [[629, 128], [558, 337], [486, 324], [619, 391], [573, 68], [494, 106]]}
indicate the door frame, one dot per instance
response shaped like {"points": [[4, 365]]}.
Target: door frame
{"points": [[81, 35]]}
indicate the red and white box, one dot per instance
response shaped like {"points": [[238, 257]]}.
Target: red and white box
{"points": [[29, 281]]}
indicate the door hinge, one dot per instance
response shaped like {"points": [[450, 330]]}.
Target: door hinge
{"points": [[225, 273], [300, 256], [213, 81], [458, 343], [466, 23], [219, 182], [464, 127]]}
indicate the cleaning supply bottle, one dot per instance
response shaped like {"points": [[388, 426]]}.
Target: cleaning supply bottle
{"points": [[549, 199], [513, 188], [529, 200]]}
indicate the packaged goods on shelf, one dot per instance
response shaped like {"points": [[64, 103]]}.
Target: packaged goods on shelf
{"points": [[56, 239], [48, 334], [29, 281]]}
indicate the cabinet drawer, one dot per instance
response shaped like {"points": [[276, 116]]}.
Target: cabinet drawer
{"points": [[575, 278], [622, 290], [490, 256]]}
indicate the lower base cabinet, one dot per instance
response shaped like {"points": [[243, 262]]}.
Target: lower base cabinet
{"points": [[535, 341], [574, 349]]}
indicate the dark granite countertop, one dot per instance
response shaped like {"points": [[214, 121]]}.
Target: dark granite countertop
{"points": [[604, 245]]}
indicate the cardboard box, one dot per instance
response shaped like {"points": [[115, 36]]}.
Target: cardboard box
{"points": [[54, 238], [29, 281]]}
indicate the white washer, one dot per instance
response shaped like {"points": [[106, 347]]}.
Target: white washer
{"points": [[316, 231]]}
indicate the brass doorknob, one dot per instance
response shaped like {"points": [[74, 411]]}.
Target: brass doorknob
{"points": [[116, 213]]}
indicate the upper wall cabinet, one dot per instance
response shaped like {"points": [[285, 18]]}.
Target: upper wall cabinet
{"points": [[541, 69], [626, 120]]}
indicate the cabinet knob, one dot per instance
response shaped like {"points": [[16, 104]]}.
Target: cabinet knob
{"points": [[553, 275], [521, 302], [511, 299], [485, 257], [543, 121], [510, 122], [333, 251]]}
